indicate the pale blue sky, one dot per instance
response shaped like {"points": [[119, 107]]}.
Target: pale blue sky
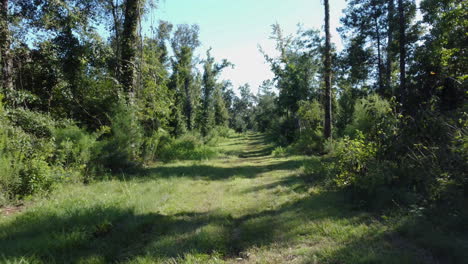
{"points": [[235, 28]]}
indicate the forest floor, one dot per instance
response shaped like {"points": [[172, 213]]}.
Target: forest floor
{"points": [[245, 206]]}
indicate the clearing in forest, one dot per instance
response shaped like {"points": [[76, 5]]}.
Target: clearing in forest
{"points": [[246, 206]]}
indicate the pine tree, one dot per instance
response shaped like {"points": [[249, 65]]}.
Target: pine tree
{"points": [[327, 75], [210, 72], [402, 43]]}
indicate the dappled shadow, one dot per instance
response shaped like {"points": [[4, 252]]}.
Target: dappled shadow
{"points": [[265, 151], [103, 233], [296, 182], [109, 234], [257, 146], [218, 173]]}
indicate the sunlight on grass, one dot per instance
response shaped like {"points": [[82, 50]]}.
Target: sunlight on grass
{"points": [[243, 207]]}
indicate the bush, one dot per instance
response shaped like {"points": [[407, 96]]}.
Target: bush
{"points": [[187, 147], [368, 114], [216, 134], [151, 145], [122, 149], [24, 167], [34, 123], [279, 152], [225, 132], [355, 157], [283, 130], [74, 147], [322, 171], [9, 167]]}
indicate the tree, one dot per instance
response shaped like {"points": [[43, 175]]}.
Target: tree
{"points": [[221, 114], [5, 52], [266, 107], [364, 27], [129, 45], [390, 18], [328, 75], [210, 73], [402, 39], [242, 118], [184, 42]]}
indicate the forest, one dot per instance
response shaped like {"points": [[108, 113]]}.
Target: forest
{"points": [[123, 147]]}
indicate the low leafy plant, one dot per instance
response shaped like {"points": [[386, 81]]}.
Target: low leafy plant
{"points": [[279, 152], [74, 147], [186, 147], [355, 157]]}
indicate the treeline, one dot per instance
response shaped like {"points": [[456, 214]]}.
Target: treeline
{"points": [[75, 106], [399, 126]]}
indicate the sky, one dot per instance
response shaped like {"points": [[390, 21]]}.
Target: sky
{"points": [[235, 29]]}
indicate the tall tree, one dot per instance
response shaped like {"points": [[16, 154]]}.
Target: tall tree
{"points": [[221, 114], [297, 68], [402, 40], [5, 53], [210, 73], [364, 26], [129, 45], [328, 75], [390, 15], [184, 42]]}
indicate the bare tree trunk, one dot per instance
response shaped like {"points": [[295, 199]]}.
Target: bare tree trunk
{"points": [[379, 55], [391, 13], [328, 75], [129, 45], [188, 103], [117, 28], [5, 52], [401, 13]]}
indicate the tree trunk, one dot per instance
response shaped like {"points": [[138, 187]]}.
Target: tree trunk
{"points": [[117, 29], [391, 13], [328, 73], [5, 52], [401, 14], [188, 103], [379, 55], [129, 45]]}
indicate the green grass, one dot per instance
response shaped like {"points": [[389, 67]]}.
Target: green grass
{"points": [[246, 206]]}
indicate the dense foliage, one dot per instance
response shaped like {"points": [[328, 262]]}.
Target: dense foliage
{"points": [[399, 132], [75, 106]]}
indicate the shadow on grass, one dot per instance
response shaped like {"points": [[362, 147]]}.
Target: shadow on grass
{"points": [[217, 173], [106, 234], [111, 234], [298, 183]]}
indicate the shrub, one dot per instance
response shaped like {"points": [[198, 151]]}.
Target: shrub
{"points": [[186, 147], [355, 157], [9, 167], [24, 167], [36, 175], [152, 144], [34, 123], [74, 147], [225, 132], [283, 130], [279, 152], [122, 149], [368, 114], [321, 170]]}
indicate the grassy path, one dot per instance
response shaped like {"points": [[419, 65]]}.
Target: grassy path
{"points": [[244, 207]]}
